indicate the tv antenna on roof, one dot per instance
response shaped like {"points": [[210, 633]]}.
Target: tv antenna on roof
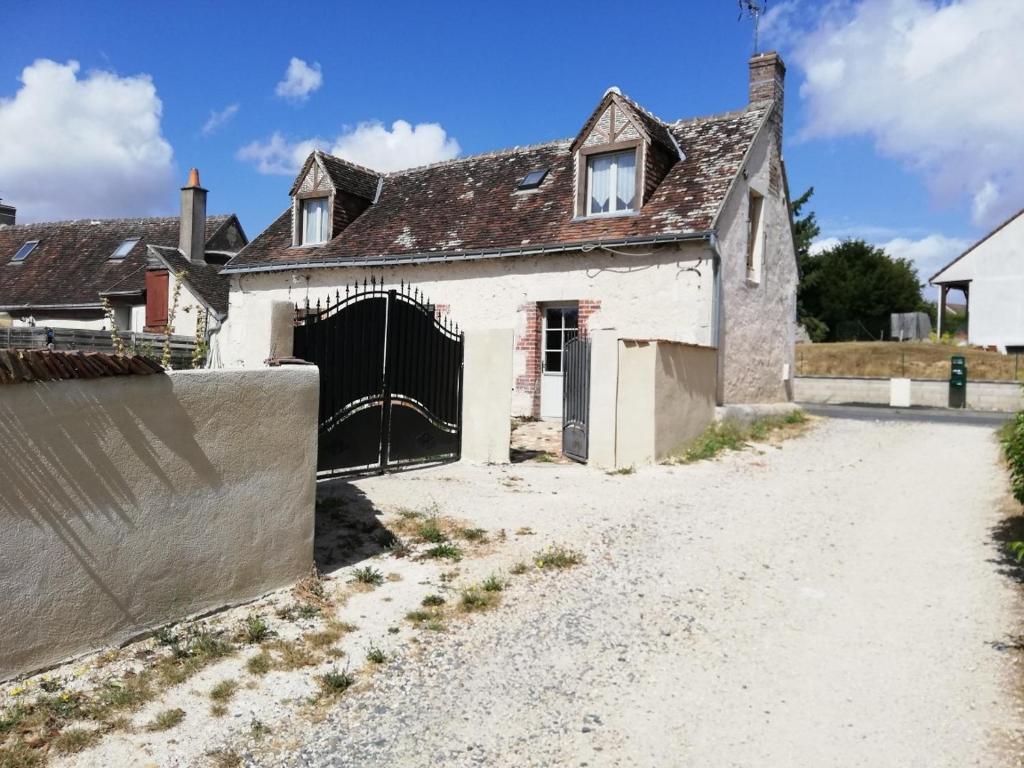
{"points": [[753, 9]]}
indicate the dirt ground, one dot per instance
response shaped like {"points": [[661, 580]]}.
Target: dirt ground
{"points": [[839, 599], [915, 360]]}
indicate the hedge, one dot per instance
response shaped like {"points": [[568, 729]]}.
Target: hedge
{"points": [[1013, 447]]}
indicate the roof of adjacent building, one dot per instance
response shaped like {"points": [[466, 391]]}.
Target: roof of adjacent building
{"points": [[941, 277], [71, 266], [204, 280], [471, 206]]}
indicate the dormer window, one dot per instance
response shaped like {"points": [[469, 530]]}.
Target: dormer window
{"points": [[611, 183], [123, 249], [24, 251], [314, 220]]}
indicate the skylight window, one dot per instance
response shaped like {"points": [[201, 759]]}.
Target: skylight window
{"points": [[124, 249], [24, 251], [533, 179]]}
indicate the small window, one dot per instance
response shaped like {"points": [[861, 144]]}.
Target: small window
{"points": [[755, 236], [314, 221], [611, 183], [124, 249], [533, 179], [24, 251]]}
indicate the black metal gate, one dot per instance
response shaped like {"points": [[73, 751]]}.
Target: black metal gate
{"points": [[576, 398], [390, 380]]}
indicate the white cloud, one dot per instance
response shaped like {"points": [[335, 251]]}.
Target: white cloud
{"points": [[83, 146], [931, 82], [371, 144], [824, 244], [300, 80], [219, 118]]}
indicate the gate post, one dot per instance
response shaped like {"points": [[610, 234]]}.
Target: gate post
{"points": [[604, 383], [487, 396]]}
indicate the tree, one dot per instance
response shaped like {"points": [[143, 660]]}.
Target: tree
{"points": [[805, 229], [853, 287]]}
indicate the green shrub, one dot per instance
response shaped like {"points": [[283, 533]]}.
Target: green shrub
{"points": [[1012, 437]]}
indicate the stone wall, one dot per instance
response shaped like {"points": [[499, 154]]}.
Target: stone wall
{"points": [[130, 502], [1005, 396]]}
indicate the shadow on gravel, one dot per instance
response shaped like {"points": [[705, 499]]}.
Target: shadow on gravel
{"points": [[1010, 528], [348, 527]]}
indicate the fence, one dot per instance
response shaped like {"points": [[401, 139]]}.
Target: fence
{"points": [[86, 340]]}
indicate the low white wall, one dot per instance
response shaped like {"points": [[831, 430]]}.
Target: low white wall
{"points": [[981, 395], [129, 502], [487, 396], [257, 329]]}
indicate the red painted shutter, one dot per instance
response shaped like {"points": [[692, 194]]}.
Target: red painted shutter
{"points": [[156, 300]]}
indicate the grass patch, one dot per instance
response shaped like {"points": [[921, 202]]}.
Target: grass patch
{"points": [[557, 557], [493, 583], [126, 694], [367, 575], [376, 655], [733, 436], [430, 531], [258, 729], [255, 630], [519, 568], [224, 758], [417, 616], [445, 551], [622, 471], [199, 648], [409, 514], [475, 535], [20, 755], [259, 664], [75, 740], [399, 547], [335, 683], [292, 655], [477, 598], [432, 601], [224, 690], [166, 720], [311, 591]]}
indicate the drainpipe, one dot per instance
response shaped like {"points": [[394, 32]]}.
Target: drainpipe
{"points": [[716, 312]]}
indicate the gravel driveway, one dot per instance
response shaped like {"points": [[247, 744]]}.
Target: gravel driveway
{"points": [[833, 602]]}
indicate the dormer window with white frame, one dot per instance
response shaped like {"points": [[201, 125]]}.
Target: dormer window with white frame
{"points": [[611, 183], [315, 221]]}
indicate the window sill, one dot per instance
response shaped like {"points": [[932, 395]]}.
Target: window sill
{"points": [[600, 216], [309, 245]]}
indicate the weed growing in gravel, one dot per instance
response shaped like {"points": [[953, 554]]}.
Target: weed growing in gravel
{"points": [[224, 690], [477, 599], [19, 755], [259, 664], [311, 590], [292, 655], [258, 729], [399, 547], [200, 648], [166, 720], [367, 575], [75, 740], [519, 568], [435, 625], [623, 471], [432, 601], [255, 630], [418, 616], [493, 583], [429, 531], [557, 557], [127, 693], [224, 758], [732, 436], [525, 531], [475, 535], [444, 551], [334, 683], [409, 514], [376, 655]]}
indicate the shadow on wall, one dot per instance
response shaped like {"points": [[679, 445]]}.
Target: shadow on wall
{"points": [[72, 470], [348, 527]]}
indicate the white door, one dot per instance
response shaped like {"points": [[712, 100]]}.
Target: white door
{"points": [[561, 323]]}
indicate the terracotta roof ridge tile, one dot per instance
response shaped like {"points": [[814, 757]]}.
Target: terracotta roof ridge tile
{"points": [[346, 161], [481, 156], [728, 115]]}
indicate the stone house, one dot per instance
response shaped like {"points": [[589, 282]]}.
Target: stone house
{"points": [[990, 274], [659, 230], [56, 274]]}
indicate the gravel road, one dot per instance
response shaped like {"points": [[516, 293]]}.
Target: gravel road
{"points": [[833, 602]]}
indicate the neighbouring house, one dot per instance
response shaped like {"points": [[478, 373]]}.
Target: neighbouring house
{"points": [[56, 274], [990, 274], [675, 230]]}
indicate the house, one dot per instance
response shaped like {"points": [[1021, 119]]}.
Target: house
{"points": [[56, 274], [990, 274], [660, 230]]}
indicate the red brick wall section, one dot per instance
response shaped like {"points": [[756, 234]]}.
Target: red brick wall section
{"points": [[529, 343], [587, 308]]}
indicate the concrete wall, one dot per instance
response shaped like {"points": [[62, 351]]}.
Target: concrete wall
{"points": [[758, 318], [649, 297], [981, 395], [487, 396], [256, 329], [648, 400], [126, 503]]}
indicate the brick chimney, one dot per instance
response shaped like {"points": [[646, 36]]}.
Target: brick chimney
{"points": [[7, 214], [768, 83], [192, 227]]}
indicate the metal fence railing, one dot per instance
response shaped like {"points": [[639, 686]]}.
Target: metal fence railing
{"points": [[87, 340]]}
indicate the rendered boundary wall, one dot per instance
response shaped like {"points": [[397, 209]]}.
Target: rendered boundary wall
{"points": [[130, 502], [1005, 396], [647, 398]]}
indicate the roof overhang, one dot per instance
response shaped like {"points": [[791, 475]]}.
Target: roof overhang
{"points": [[430, 257]]}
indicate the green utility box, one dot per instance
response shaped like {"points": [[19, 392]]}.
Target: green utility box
{"points": [[958, 382]]}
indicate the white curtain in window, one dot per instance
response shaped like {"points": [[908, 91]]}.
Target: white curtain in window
{"points": [[600, 183], [625, 182], [316, 221]]}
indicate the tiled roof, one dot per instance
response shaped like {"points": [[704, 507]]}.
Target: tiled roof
{"points": [[349, 177], [471, 205], [203, 280], [43, 365], [71, 265]]}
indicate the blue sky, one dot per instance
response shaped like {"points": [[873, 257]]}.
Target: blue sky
{"points": [[487, 76]]}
